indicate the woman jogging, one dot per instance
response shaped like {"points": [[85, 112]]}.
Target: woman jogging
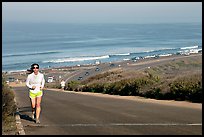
{"points": [[35, 82]]}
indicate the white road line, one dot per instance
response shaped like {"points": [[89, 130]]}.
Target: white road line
{"points": [[72, 76], [116, 124]]}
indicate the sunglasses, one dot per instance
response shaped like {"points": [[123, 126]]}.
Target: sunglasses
{"points": [[35, 67]]}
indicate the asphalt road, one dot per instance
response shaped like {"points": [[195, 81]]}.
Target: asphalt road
{"points": [[71, 113]]}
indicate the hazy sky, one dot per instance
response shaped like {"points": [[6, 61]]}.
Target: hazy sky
{"points": [[102, 12]]}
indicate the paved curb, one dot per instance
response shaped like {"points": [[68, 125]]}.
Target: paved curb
{"points": [[19, 126]]}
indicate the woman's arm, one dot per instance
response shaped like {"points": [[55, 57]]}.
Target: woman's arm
{"points": [[28, 82], [43, 82]]}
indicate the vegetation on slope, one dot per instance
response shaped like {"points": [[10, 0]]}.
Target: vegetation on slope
{"points": [[178, 80], [8, 109]]}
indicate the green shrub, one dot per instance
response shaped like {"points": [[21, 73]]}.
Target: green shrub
{"points": [[124, 87], [163, 82], [73, 86], [8, 104], [86, 88], [108, 88], [187, 88], [53, 85], [99, 88]]}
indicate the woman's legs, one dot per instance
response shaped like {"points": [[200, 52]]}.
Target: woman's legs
{"points": [[38, 108], [33, 104]]}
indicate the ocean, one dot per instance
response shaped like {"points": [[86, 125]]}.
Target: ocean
{"points": [[56, 45]]}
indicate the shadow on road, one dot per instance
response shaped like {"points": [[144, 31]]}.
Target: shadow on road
{"points": [[22, 114], [26, 117]]}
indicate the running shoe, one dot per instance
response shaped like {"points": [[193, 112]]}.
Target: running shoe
{"points": [[37, 121], [33, 116]]}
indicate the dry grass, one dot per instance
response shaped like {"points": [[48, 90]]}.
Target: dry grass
{"points": [[154, 82], [168, 71]]}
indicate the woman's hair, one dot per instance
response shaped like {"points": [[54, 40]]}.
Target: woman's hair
{"points": [[29, 71], [35, 64]]}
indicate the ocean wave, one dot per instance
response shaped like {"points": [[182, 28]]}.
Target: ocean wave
{"points": [[120, 54], [191, 47], [112, 40], [164, 55], [125, 59], [150, 56], [90, 40], [20, 70], [76, 59], [158, 50], [28, 54]]}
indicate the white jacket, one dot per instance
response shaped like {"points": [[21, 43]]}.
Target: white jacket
{"points": [[35, 80]]}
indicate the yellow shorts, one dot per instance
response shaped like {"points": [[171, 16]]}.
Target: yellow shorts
{"points": [[34, 95]]}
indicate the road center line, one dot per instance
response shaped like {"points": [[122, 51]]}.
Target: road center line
{"points": [[115, 124]]}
